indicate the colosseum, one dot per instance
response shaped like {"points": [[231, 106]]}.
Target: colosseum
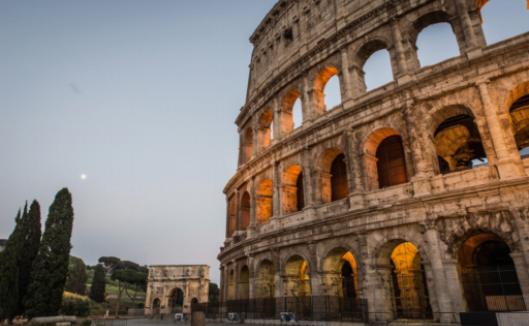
{"points": [[408, 201]]}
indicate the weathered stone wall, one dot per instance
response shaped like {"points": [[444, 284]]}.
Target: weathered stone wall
{"points": [[164, 280], [435, 211]]}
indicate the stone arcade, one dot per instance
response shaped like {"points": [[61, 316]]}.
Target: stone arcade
{"points": [[173, 288], [414, 196]]}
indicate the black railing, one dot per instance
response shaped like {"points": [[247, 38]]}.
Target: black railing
{"points": [[317, 308]]}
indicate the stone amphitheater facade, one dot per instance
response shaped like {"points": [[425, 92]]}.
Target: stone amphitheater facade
{"points": [[422, 179]]}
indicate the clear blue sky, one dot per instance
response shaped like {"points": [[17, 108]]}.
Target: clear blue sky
{"points": [[141, 97]]}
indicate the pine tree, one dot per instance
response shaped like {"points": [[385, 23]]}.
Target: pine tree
{"points": [[9, 273], [50, 268], [31, 230], [97, 290]]}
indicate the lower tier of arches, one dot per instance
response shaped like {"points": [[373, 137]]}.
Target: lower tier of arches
{"points": [[431, 270]]}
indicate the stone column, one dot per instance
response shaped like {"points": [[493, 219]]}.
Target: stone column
{"points": [[307, 101], [379, 294], [472, 32], [358, 85], [251, 270], [346, 136], [399, 61], [253, 222], [454, 287], [508, 162], [523, 274], [308, 180], [276, 122], [345, 77], [443, 296], [276, 195]]}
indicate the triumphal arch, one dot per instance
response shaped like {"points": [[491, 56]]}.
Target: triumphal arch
{"points": [[173, 289], [409, 200]]}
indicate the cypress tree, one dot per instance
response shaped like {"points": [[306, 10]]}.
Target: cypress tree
{"points": [[9, 272], [97, 290], [50, 268], [31, 230], [76, 280]]}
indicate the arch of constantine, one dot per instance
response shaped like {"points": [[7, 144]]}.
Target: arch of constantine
{"points": [[174, 288], [412, 197]]}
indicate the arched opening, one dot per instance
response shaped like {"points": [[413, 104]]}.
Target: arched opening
{"points": [[385, 161], [457, 141], [377, 70], [297, 277], [231, 285], [503, 19], [244, 283], [244, 213], [247, 145], [232, 215], [391, 162], [488, 274], [176, 301], [435, 38], [264, 201], [156, 307], [292, 184], [341, 275], [291, 112], [520, 121], [265, 129], [436, 43], [327, 93], [339, 185], [334, 185], [410, 291], [374, 60], [264, 283]]}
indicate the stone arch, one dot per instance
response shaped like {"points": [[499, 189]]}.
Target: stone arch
{"points": [[244, 283], [518, 108], [232, 285], [265, 279], [457, 140], [244, 211], [247, 144], [363, 55], [176, 300], [264, 202], [333, 167], [320, 88], [433, 22], [489, 21], [400, 264], [232, 215], [292, 198], [436, 17], [341, 274], [385, 160], [297, 277], [265, 128], [156, 304], [288, 105], [454, 230], [488, 274]]}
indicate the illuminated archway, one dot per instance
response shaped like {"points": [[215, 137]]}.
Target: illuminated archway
{"points": [[327, 92], [291, 112], [264, 283], [244, 283], [265, 129], [457, 140], [297, 277], [410, 291], [264, 201], [519, 112], [244, 212], [292, 183]]}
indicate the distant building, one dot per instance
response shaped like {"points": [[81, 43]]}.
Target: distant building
{"points": [[173, 288], [2, 244]]}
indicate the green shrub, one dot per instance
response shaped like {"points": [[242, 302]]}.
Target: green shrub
{"points": [[86, 322], [75, 307]]}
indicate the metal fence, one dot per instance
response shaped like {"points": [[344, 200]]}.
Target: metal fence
{"points": [[317, 308]]}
